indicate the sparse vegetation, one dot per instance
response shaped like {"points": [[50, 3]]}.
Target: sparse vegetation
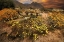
{"points": [[29, 23], [56, 20], [31, 27]]}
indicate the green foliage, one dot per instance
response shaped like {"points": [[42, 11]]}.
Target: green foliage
{"points": [[31, 28], [6, 4]]}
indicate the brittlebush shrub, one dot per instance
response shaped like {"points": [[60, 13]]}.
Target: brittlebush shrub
{"points": [[8, 14], [56, 20], [31, 28]]}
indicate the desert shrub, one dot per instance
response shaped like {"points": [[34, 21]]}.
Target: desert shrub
{"points": [[31, 28], [6, 4], [8, 14], [56, 20]]}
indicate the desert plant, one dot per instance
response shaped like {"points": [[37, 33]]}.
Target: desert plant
{"points": [[56, 20], [8, 14], [31, 28]]}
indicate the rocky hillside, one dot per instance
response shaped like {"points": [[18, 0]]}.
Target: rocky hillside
{"points": [[32, 5]]}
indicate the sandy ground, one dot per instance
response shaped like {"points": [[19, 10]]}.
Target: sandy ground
{"points": [[55, 36]]}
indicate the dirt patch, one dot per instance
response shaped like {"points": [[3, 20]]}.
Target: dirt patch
{"points": [[55, 36]]}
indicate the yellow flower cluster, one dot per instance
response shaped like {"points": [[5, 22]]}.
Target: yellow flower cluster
{"points": [[29, 28], [56, 19]]}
